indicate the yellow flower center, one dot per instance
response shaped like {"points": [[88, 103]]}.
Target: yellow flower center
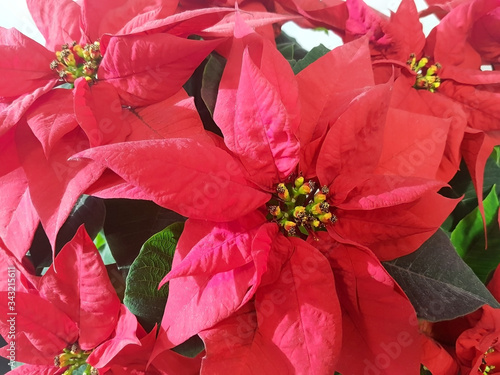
{"points": [[75, 360], [76, 61], [426, 73], [300, 208]]}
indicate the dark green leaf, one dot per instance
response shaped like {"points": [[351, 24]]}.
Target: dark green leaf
{"points": [[289, 48], [212, 75], [129, 223], [191, 347], [468, 238], [438, 282], [154, 261], [311, 57]]}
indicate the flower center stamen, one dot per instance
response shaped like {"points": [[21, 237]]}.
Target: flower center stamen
{"points": [[427, 78], [487, 367], [74, 61], [74, 358], [300, 208]]}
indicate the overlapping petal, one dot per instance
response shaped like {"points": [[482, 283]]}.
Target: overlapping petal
{"points": [[379, 325], [261, 129], [184, 175]]}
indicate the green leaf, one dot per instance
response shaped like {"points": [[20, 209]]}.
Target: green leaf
{"points": [[289, 48], [191, 347], [439, 284], [102, 245], [468, 238], [154, 261], [311, 57], [212, 75]]}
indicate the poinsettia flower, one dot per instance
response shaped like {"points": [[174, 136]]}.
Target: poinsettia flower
{"points": [[139, 74], [68, 312], [228, 251]]}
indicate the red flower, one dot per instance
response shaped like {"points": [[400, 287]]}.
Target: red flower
{"points": [[68, 312], [230, 254], [142, 68]]}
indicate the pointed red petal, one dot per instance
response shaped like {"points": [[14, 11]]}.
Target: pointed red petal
{"points": [[99, 113], [232, 281], [394, 231], [42, 330], [354, 142], [259, 129], [257, 108], [452, 48], [236, 346], [65, 180], [184, 23], [437, 359], [25, 64], [183, 119], [326, 77], [221, 246], [186, 176], [52, 117], [12, 112], [476, 149], [18, 218], [57, 20], [405, 32], [123, 335], [380, 328], [146, 69], [117, 15], [78, 284], [290, 311], [443, 126]]}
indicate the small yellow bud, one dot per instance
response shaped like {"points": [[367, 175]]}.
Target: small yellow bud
{"points": [[325, 218], [320, 197], [299, 212], [283, 192], [304, 189], [299, 181]]}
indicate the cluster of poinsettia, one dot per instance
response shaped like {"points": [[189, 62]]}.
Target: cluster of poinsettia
{"points": [[302, 184]]}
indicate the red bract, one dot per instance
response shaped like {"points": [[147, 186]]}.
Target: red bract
{"points": [[74, 302], [18, 217], [54, 182]]}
